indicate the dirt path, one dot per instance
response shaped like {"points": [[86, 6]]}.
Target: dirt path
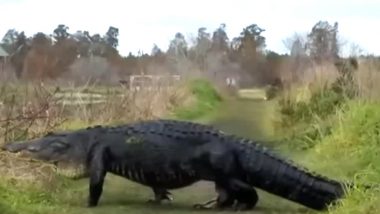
{"points": [[121, 196], [246, 118]]}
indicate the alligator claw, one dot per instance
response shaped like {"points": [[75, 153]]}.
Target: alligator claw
{"points": [[153, 201], [158, 201], [91, 204], [211, 204], [169, 198], [242, 207]]}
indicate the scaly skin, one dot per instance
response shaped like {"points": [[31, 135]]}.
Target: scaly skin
{"points": [[168, 154]]}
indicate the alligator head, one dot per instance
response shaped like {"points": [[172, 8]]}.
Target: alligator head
{"points": [[68, 151]]}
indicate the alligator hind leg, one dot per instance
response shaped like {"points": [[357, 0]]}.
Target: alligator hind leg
{"points": [[235, 194], [246, 196], [160, 194], [206, 205], [246, 199], [223, 199]]}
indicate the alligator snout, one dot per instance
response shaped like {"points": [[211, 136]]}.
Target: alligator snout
{"points": [[15, 147]]}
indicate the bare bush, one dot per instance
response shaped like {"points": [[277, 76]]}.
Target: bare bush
{"points": [[7, 74], [18, 168], [28, 111], [124, 105], [368, 78], [94, 69]]}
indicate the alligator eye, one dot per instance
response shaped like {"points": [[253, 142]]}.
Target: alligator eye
{"points": [[59, 145], [33, 148]]}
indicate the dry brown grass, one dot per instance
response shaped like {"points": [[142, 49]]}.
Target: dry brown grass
{"points": [[316, 77], [33, 110], [18, 168], [368, 79], [127, 106], [27, 111], [312, 79]]}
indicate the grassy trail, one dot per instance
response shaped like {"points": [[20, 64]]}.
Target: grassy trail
{"points": [[245, 118]]}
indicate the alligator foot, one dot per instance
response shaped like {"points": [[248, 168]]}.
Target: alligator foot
{"points": [[159, 201], [210, 204], [242, 207], [160, 195]]}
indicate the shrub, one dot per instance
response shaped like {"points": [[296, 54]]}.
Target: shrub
{"points": [[206, 99], [310, 118], [351, 152]]}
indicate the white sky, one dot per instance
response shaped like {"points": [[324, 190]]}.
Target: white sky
{"points": [[142, 23]]}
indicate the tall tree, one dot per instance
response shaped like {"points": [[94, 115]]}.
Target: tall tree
{"points": [[203, 43], [158, 55], [83, 39], [298, 48], [156, 50], [250, 41], [21, 40], [248, 50], [178, 46], [41, 42], [39, 59], [97, 47], [220, 39], [323, 41], [202, 48], [9, 40], [177, 53], [60, 33], [17, 45], [296, 44], [111, 37], [65, 53]]}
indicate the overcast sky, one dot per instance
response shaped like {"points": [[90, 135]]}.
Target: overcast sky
{"points": [[142, 23]]}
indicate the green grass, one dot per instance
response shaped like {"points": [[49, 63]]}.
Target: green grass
{"points": [[339, 136], [25, 198], [120, 196], [351, 152], [206, 100]]}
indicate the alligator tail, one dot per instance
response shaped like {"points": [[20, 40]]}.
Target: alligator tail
{"points": [[264, 170]]}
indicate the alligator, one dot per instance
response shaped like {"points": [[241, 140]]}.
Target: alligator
{"points": [[170, 154]]}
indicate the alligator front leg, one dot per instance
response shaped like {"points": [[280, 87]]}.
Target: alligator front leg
{"points": [[97, 175], [160, 194]]}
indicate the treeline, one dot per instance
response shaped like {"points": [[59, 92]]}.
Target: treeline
{"points": [[50, 56], [82, 56]]}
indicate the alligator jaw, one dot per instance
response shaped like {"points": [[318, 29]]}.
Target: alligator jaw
{"points": [[71, 171]]}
